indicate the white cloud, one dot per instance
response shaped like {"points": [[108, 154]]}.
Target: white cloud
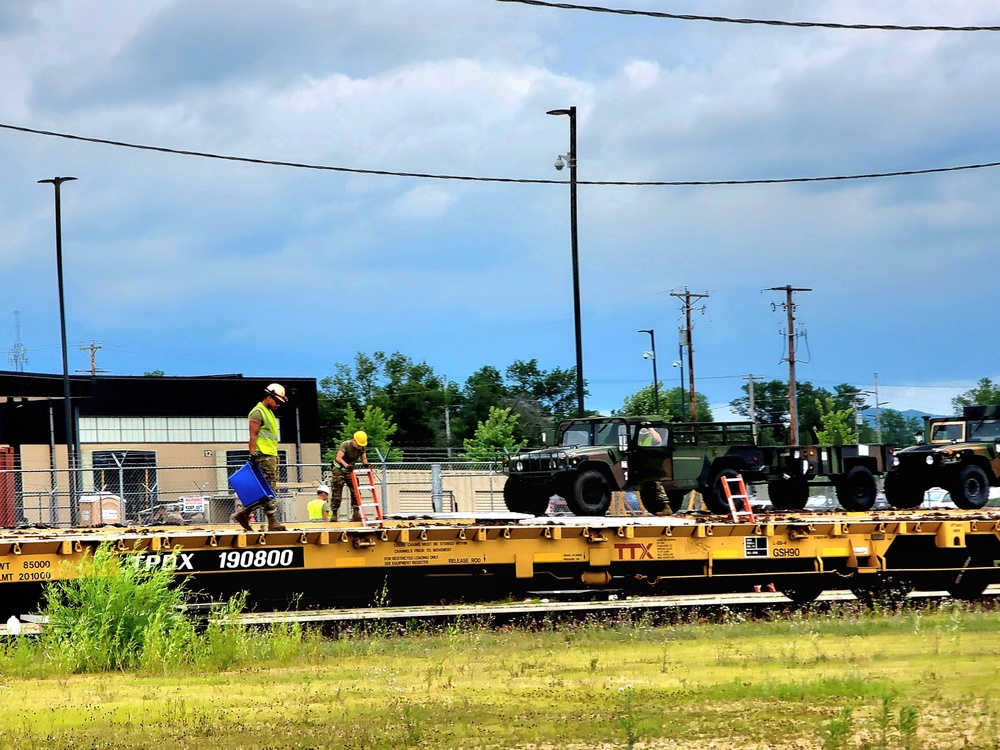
{"points": [[162, 243], [423, 202]]}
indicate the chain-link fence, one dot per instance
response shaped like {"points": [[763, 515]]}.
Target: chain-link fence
{"points": [[130, 490]]}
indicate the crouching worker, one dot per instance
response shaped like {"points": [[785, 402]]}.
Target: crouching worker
{"points": [[350, 452], [264, 454], [319, 509]]}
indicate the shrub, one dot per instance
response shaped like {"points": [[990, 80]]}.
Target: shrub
{"points": [[117, 614]]}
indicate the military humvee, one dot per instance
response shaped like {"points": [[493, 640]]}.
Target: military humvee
{"points": [[664, 461], [960, 455], [594, 456]]}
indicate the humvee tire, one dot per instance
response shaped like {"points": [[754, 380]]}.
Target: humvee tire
{"points": [[788, 494], [591, 495], [902, 492], [972, 490], [857, 489], [525, 497]]}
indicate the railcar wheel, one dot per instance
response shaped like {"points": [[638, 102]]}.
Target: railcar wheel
{"points": [[857, 490], [972, 491], [714, 495], [591, 494], [788, 494], [902, 492], [521, 496], [882, 591], [802, 593]]}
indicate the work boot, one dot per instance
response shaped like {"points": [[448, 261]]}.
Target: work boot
{"points": [[242, 517], [272, 523]]}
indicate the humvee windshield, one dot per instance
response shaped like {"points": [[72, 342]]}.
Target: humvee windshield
{"points": [[984, 430], [592, 433], [946, 432], [576, 434]]}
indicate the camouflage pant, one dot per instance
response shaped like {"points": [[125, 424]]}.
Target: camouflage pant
{"points": [[268, 466], [337, 482]]}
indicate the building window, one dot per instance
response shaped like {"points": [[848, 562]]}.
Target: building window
{"points": [[163, 429]]}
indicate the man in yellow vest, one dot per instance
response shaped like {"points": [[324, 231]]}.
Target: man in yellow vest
{"points": [[319, 509], [264, 454]]}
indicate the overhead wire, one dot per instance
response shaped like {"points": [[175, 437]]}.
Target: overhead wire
{"points": [[749, 21], [471, 178]]}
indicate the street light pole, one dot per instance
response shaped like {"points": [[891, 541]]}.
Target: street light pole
{"points": [[652, 355], [571, 159], [67, 406]]}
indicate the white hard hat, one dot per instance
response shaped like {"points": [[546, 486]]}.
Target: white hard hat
{"points": [[323, 488], [277, 391]]}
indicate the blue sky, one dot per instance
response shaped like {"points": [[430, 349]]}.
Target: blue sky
{"points": [[196, 267]]}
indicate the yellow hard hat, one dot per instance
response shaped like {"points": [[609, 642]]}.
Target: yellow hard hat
{"points": [[361, 438]]}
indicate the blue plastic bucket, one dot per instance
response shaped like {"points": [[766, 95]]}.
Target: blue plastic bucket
{"points": [[250, 485]]}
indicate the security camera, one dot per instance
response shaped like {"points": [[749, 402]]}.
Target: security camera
{"points": [[645, 355], [560, 163], [677, 363]]}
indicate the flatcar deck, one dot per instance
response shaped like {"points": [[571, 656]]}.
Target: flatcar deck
{"points": [[431, 559]]}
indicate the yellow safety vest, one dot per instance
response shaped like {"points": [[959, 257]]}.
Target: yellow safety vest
{"points": [[315, 508], [267, 438]]}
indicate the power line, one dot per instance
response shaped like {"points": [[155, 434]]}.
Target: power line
{"points": [[749, 21], [468, 178]]}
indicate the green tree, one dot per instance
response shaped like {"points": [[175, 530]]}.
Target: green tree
{"points": [[837, 425], [540, 397], [898, 430], [494, 436], [674, 405], [379, 428], [985, 393], [771, 407], [482, 390], [154, 374], [410, 394]]}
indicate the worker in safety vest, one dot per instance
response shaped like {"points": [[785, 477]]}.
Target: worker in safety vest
{"points": [[264, 454], [319, 509]]}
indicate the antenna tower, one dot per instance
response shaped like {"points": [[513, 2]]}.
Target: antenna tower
{"points": [[17, 355]]}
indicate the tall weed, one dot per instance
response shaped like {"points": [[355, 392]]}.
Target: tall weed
{"points": [[116, 614]]}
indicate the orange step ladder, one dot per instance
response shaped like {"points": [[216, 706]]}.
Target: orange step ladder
{"points": [[740, 496], [369, 502]]}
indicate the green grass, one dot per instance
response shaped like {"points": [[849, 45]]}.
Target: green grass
{"points": [[120, 670], [869, 680]]}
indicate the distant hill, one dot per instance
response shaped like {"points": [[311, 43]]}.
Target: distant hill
{"points": [[869, 415]]}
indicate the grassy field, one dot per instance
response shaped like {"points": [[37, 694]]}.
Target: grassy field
{"points": [[846, 678]]}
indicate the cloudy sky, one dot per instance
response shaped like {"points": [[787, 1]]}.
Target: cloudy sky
{"points": [[198, 266]]}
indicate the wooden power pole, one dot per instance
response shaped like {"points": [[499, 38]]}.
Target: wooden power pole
{"points": [[789, 306], [687, 297]]}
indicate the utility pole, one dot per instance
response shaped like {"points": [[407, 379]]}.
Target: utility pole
{"points": [[687, 297], [753, 412], [93, 349], [447, 417], [789, 306], [878, 413]]}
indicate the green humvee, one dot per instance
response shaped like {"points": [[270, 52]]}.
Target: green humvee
{"points": [[664, 461], [592, 457], [960, 455]]}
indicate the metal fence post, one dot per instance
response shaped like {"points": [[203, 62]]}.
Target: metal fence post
{"points": [[384, 481], [436, 487]]}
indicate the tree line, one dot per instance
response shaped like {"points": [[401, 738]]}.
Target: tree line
{"points": [[404, 405]]}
